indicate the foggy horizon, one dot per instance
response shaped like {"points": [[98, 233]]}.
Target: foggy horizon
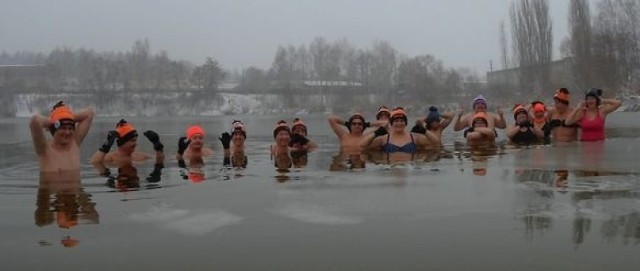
{"points": [[241, 34]]}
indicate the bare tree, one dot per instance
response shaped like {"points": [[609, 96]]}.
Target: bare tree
{"points": [[532, 40], [579, 42], [504, 51]]}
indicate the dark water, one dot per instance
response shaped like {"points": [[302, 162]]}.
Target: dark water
{"points": [[573, 207]]}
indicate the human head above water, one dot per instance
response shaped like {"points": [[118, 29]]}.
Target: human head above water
{"points": [[479, 103], [383, 112], [125, 131], [354, 117], [562, 96], [61, 115], [237, 127], [298, 126], [398, 113], [281, 126], [595, 93]]}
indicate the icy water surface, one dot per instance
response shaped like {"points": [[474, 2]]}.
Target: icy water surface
{"points": [[569, 207]]}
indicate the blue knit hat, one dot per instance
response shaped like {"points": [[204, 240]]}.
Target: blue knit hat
{"points": [[433, 115]]}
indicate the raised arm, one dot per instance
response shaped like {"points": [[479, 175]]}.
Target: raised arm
{"points": [[575, 115], [610, 105], [37, 125], [83, 118], [500, 123], [336, 125], [446, 119], [460, 121]]}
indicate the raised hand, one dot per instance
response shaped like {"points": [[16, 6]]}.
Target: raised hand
{"points": [[154, 138], [111, 137], [225, 139], [183, 144]]}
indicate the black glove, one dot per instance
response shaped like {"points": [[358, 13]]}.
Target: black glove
{"points": [[155, 140], [347, 123], [298, 138], [155, 175], [226, 161], [419, 129], [181, 163], [183, 144], [225, 139], [380, 131], [525, 124], [111, 137], [367, 124]]}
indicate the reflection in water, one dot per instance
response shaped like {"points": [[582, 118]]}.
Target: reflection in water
{"points": [[345, 161], [479, 155], [61, 199], [615, 204], [282, 163], [128, 179]]}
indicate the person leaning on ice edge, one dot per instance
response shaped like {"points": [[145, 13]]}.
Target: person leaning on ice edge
{"points": [[68, 130], [126, 137]]}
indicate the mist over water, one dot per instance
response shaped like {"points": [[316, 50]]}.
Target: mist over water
{"points": [[491, 205]]}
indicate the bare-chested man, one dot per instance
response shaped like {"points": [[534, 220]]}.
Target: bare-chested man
{"points": [[126, 137], [350, 139], [62, 152]]}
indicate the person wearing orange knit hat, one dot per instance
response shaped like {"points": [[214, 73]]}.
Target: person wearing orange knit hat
{"points": [[398, 139], [192, 145], [463, 121], [557, 127], [480, 133], [62, 152], [523, 132], [125, 136]]}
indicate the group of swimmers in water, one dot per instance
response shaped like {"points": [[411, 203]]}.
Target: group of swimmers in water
{"points": [[534, 123]]}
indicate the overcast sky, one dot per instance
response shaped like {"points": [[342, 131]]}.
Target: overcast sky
{"points": [[242, 33]]}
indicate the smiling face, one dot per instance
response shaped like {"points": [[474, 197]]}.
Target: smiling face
{"points": [[299, 129], [197, 141], [283, 137], [64, 135], [479, 123], [591, 102], [479, 107], [237, 138], [398, 124], [522, 116], [357, 125]]}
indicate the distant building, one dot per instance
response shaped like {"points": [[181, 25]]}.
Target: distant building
{"points": [[560, 75]]}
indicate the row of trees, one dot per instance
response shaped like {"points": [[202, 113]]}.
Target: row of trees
{"points": [[379, 70], [602, 50], [85, 70]]}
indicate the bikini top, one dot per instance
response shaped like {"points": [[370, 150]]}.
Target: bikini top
{"points": [[410, 147], [561, 123]]}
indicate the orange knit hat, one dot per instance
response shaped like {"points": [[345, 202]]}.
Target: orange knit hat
{"points": [[60, 115], [125, 131]]}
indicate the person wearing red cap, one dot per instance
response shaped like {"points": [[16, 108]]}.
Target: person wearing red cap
{"points": [[557, 125], [126, 137], [464, 121], [192, 145], [62, 152]]}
